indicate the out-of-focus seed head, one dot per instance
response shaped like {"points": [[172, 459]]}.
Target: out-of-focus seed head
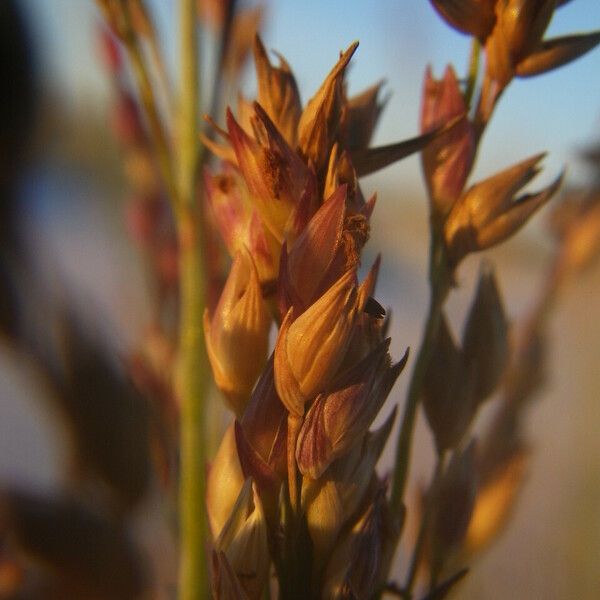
{"points": [[110, 52], [244, 542], [485, 340], [447, 160], [495, 502], [579, 235], [318, 125], [278, 92], [310, 349], [237, 334], [445, 393], [113, 14], [454, 502], [246, 23], [473, 17], [488, 212], [214, 12], [337, 421]]}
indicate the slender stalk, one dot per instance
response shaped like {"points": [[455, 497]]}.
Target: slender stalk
{"points": [[192, 372], [192, 383], [473, 71], [440, 285]]}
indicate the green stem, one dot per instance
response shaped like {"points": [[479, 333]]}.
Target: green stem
{"points": [[440, 284], [473, 71], [192, 371], [192, 382]]}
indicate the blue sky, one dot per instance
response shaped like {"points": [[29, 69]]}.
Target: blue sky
{"points": [[556, 112]]}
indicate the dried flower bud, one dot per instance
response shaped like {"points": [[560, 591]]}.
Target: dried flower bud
{"points": [[265, 421], [318, 123], [237, 334], [485, 340], [519, 28], [310, 349], [473, 17], [243, 540], [454, 502], [224, 482], [337, 421], [334, 498], [278, 92], [488, 212], [313, 263], [556, 53], [239, 222], [276, 176], [447, 160]]}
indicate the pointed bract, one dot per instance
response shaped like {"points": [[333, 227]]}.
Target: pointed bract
{"points": [[277, 92], [224, 482], [237, 334], [244, 542], [334, 498], [224, 582], [310, 349], [318, 124], [485, 340], [448, 159], [445, 400], [337, 421], [488, 212], [557, 52]]}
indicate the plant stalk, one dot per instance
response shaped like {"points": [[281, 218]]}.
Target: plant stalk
{"points": [[192, 371], [440, 285]]}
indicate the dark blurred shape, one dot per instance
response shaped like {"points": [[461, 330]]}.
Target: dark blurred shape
{"points": [[109, 419], [80, 553], [17, 95]]}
